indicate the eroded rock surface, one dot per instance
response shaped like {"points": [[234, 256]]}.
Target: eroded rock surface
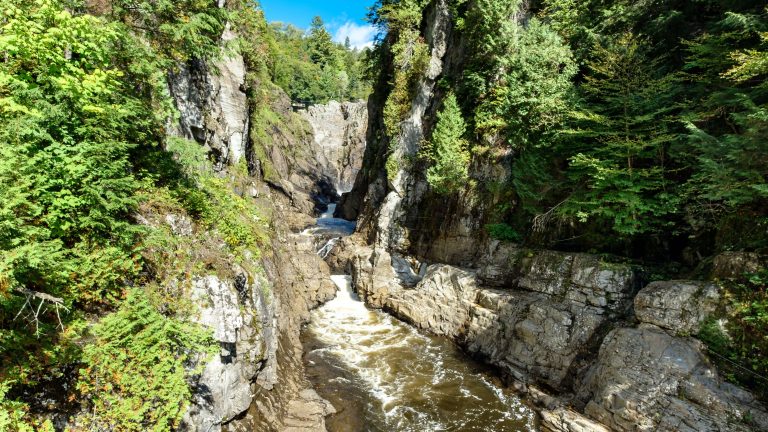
{"points": [[679, 306], [339, 136], [241, 314], [213, 105], [648, 380]]}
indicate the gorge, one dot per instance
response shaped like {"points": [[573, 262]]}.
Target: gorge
{"points": [[363, 265]]}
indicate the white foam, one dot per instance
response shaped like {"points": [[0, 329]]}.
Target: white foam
{"points": [[395, 361]]}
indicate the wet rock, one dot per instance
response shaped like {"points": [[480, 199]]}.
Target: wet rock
{"points": [[680, 306], [373, 276], [648, 380], [566, 420], [404, 269]]}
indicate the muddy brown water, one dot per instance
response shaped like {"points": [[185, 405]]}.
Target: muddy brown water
{"points": [[383, 375]]}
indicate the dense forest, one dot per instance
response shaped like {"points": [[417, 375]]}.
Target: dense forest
{"points": [[627, 120], [638, 130], [312, 67]]}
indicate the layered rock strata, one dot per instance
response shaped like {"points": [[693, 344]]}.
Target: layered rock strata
{"points": [[339, 135]]}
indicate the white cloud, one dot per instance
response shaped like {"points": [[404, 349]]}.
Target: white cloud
{"points": [[360, 36]]}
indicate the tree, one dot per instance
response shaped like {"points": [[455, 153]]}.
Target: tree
{"points": [[448, 150], [621, 137], [321, 46], [519, 75]]}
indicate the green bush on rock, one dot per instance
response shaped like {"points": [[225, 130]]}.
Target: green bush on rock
{"points": [[136, 371]]}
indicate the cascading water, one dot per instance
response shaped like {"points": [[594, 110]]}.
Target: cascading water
{"points": [[384, 375]]}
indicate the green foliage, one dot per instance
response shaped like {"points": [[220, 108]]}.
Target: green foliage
{"points": [[14, 415], [175, 29], [741, 335], [503, 232], [626, 113], [67, 123], [153, 393], [411, 58], [448, 151], [237, 219], [248, 22], [321, 46], [313, 68], [83, 106], [518, 76]]}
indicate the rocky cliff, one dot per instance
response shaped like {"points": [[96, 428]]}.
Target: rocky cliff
{"points": [[339, 133], [592, 343], [256, 307]]}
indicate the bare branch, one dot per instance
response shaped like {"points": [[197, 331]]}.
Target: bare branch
{"points": [[33, 313]]}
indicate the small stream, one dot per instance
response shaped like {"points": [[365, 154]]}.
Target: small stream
{"points": [[384, 375]]}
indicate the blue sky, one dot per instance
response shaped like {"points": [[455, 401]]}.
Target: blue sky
{"points": [[344, 18]]}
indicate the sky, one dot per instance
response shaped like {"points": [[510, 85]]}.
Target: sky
{"points": [[343, 18]]}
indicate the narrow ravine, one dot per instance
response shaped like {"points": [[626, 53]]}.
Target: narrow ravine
{"points": [[383, 375]]}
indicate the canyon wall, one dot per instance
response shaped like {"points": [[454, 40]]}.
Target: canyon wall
{"points": [[256, 308], [593, 344], [339, 133]]}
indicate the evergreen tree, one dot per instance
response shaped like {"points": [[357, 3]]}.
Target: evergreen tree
{"points": [[622, 136], [448, 150], [321, 46]]}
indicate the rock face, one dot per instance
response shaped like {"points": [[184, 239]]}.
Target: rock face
{"points": [[548, 328], [648, 380], [257, 381], [283, 398], [241, 316], [679, 306], [339, 135], [213, 105]]}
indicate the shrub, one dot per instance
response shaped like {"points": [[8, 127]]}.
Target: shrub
{"points": [[740, 344], [503, 232], [137, 370]]}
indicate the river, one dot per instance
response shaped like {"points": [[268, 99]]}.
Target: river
{"points": [[384, 375]]}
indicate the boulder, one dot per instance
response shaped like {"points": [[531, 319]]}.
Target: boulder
{"points": [[679, 306], [230, 307], [439, 303], [648, 380], [730, 265]]}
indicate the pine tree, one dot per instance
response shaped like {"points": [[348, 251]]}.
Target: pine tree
{"points": [[321, 44], [621, 138], [448, 150]]}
